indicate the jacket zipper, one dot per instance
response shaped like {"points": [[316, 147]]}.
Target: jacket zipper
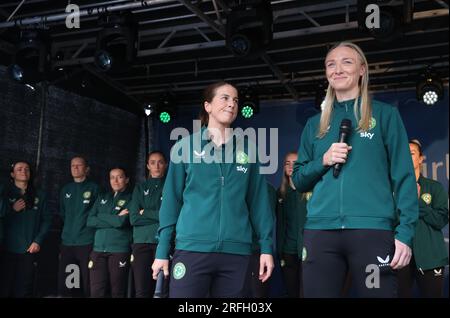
{"points": [[222, 183]]}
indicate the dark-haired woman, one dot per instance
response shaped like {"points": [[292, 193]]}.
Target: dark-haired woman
{"points": [[144, 217], [430, 253], [109, 261], [26, 224], [214, 195]]}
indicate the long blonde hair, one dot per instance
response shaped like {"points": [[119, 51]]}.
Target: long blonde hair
{"points": [[364, 113], [285, 179]]}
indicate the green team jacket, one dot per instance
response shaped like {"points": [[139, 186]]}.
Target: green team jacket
{"points": [[273, 207], [75, 201], [113, 232], [27, 226], [290, 222], [429, 247], [376, 182], [147, 196], [214, 205]]}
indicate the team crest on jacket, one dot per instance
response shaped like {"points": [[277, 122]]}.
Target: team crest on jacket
{"points": [[241, 157], [36, 201], [308, 195], [372, 123], [121, 203], [426, 197], [87, 194]]}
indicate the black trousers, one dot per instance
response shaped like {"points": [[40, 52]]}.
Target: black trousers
{"points": [[366, 254], [78, 255], [430, 282], [258, 288], [109, 272], [17, 275], [216, 275], [292, 275], [143, 256]]}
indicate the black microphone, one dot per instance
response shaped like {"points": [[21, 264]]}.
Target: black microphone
{"points": [[344, 133], [161, 286]]}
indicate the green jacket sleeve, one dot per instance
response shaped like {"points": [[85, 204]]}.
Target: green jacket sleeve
{"points": [[307, 170], [135, 206], [93, 220], [45, 221], [436, 214], [261, 216], [112, 220], [170, 207], [402, 174], [148, 217]]}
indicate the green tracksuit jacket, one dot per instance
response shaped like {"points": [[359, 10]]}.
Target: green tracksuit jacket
{"points": [[113, 232], [75, 201], [147, 196], [429, 247], [27, 226], [376, 182], [214, 205]]}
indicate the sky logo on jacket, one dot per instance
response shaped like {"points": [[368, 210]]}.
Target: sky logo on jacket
{"points": [[241, 169], [103, 201], [366, 134], [68, 195], [146, 192]]}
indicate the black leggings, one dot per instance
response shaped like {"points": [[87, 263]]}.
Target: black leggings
{"points": [[430, 282], [292, 275], [143, 257], [17, 274], [78, 255], [109, 270], [366, 254]]}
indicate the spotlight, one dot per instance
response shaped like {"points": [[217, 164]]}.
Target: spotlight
{"points": [[115, 43], [165, 108], [148, 110], [103, 60], [165, 117], [430, 88], [249, 103], [30, 58], [249, 28]]}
